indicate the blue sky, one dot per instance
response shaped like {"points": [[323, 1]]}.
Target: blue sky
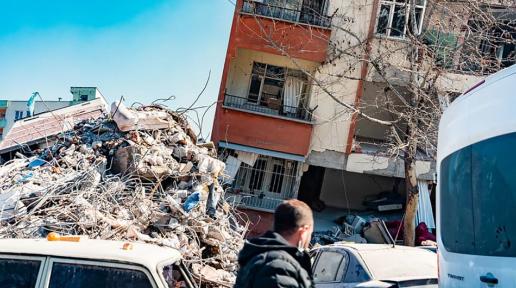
{"points": [[142, 49]]}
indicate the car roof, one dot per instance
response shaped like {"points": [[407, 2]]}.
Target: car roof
{"points": [[386, 262], [103, 250]]}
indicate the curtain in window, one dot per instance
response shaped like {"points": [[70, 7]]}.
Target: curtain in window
{"points": [[424, 206], [292, 94]]}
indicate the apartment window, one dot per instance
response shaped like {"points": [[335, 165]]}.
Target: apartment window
{"points": [[498, 46], [306, 11], [394, 19], [443, 46], [277, 88], [494, 44], [266, 84], [313, 12], [18, 114]]}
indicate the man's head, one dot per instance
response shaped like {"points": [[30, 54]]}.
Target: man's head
{"points": [[293, 219]]}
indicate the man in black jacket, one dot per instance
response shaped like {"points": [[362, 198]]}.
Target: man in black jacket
{"points": [[279, 257]]}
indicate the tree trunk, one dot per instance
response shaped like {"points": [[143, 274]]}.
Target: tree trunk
{"points": [[409, 229]]}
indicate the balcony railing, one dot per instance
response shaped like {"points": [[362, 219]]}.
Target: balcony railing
{"points": [[278, 12], [256, 202], [262, 186], [272, 107]]}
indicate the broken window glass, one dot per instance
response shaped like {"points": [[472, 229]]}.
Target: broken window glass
{"points": [[398, 21], [254, 90], [383, 20], [394, 19]]}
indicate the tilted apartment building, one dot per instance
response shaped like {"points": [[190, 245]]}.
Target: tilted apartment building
{"points": [[282, 136]]}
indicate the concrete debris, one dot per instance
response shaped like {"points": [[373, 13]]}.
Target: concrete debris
{"points": [[129, 120], [212, 275], [140, 176]]}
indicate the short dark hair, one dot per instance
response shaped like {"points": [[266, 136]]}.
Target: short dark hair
{"points": [[290, 215]]}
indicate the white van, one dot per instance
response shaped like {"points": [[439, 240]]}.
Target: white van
{"points": [[84, 263], [476, 195]]}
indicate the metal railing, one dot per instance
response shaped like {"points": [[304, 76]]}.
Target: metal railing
{"points": [[278, 12], [275, 108], [265, 184], [250, 201]]}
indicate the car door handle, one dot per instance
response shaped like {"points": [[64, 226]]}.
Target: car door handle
{"points": [[489, 279]]}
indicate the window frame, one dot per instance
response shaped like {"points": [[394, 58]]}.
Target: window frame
{"points": [[286, 73], [51, 260], [188, 277], [18, 114], [297, 12], [392, 5], [262, 81]]}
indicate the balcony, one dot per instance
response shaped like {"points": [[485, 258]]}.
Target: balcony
{"points": [[271, 106], [262, 186], [277, 12]]}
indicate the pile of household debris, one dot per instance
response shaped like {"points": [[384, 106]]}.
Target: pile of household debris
{"points": [[137, 174], [353, 228]]}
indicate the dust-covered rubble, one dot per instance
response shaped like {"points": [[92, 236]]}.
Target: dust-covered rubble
{"points": [[136, 174]]}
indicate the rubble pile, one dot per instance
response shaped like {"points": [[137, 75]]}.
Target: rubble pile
{"points": [[136, 175]]}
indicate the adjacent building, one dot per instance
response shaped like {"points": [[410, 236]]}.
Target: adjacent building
{"points": [[283, 137], [14, 110]]}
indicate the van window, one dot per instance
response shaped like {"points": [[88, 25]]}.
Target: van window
{"points": [[478, 194], [330, 267], [18, 273], [67, 275]]}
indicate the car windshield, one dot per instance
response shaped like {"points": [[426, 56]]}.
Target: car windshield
{"points": [[387, 263]]}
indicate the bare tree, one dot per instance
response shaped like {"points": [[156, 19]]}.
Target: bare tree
{"points": [[418, 51]]}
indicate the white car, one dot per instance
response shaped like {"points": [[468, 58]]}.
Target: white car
{"points": [[83, 263], [345, 265]]}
